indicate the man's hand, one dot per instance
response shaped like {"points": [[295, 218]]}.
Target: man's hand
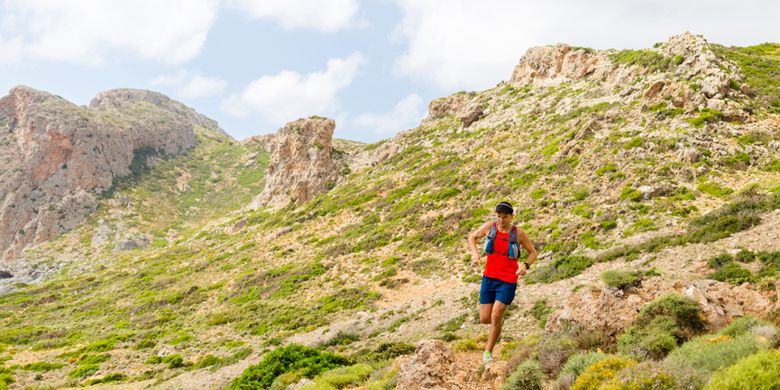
{"points": [[521, 271], [475, 260]]}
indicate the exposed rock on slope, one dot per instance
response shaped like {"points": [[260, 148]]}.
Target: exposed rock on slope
{"points": [[614, 310], [301, 165], [56, 156]]}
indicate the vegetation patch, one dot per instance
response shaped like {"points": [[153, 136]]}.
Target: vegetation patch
{"points": [[306, 362], [561, 268], [760, 371]]}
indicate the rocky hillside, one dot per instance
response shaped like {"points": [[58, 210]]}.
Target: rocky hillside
{"points": [[658, 165], [57, 158]]}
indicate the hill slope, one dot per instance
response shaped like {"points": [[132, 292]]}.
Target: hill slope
{"points": [[608, 156]]}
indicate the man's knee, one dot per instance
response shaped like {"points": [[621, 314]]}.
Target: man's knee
{"points": [[484, 319]]}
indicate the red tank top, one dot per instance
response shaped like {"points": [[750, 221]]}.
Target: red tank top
{"points": [[500, 266]]}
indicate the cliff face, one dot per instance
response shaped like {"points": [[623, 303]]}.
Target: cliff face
{"points": [[56, 157], [302, 163]]}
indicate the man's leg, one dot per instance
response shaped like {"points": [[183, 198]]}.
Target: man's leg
{"points": [[485, 310], [496, 321]]}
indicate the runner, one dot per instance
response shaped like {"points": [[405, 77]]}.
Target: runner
{"points": [[499, 280]]}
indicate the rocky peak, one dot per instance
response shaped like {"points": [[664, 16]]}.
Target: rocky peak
{"points": [[551, 65], [301, 164], [121, 97], [56, 157]]}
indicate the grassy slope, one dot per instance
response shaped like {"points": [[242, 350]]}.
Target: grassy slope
{"points": [[204, 288]]}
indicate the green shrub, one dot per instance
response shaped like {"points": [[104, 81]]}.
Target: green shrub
{"points": [[686, 313], [598, 373], [83, 371], [553, 352], [621, 279], [714, 189], [343, 376], [630, 193], [652, 340], [561, 268], [760, 371], [608, 168], [342, 338], [308, 361], [654, 61], [575, 365], [643, 376], [734, 274], [540, 311], [745, 256], [173, 361], [113, 377], [527, 376], [208, 360], [706, 115], [710, 352], [383, 352], [42, 366], [741, 326], [282, 382]]}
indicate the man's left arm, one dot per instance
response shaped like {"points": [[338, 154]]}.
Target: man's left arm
{"points": [[522, 238]]}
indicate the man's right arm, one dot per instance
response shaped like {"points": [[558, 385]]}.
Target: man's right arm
{"points": [[473, 237]]}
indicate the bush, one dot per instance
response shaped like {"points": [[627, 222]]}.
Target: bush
{"points": [[600, 372], [621, 280], [685, 312], [83, 371], [561, 268], [42, 366], [709, 353], [760, 371], [540, 311], [652, 340], [553, 352], [741, 326], [383, 352], [527, 376], [114, 377], [630, 193], [734, 274], [173, 361], [309, 362], [643, 376], [343, 376], [576, 364]]}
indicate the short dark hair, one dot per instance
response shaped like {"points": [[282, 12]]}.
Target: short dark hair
{"points": [[505, 207]]}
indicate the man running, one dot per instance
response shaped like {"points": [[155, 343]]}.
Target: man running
{"points": [[499, 280]]}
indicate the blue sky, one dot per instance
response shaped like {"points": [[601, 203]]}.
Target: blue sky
{"points": [[372, 65]]}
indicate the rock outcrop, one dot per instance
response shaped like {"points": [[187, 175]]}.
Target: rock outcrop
{"points": [[56, 157], [302, 164], [435, 366], [552, 65], [611, 311]]}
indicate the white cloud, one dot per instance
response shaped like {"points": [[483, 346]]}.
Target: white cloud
{"points": [[464, 44], [321, 15], [406, 114], [192, 84], [92, 31], [289, 95]]}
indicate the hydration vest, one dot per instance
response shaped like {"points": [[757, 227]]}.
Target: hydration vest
{"points": [[513, 249]]}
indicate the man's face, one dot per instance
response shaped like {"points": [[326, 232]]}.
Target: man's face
{"points": [[503, 218]]}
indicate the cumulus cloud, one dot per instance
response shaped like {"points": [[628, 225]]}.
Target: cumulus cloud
{"points": [[92, 31], [463, 44], [192, 84], [406, 114], [322, 15], [289, 95]]}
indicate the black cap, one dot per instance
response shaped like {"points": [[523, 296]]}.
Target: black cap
{"points": [[505, 207]]}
